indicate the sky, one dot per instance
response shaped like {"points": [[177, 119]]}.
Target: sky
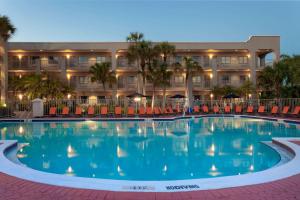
{"points": [[159, 20]]}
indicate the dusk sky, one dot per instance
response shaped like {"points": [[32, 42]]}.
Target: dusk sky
{"points": [[96, 20]]}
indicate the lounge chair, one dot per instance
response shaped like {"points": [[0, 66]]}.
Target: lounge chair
{"points": [[274, 110], [170, 110], [216, 109], [156, 111], [149, 111], [91, 111], [104, 111], [130, 111], [205, 109], [285, 110], [296, 112], [65, 111], [227, 109], [52, 111], [249, 109], [238, 109], [78, 111], [196, 109], [261, 109], [142, 111], [118, 111]]}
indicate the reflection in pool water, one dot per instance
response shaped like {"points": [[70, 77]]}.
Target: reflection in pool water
{"points": [[181, 149]]}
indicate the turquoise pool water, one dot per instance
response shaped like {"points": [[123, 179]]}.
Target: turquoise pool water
{"points": [[138, 150]]}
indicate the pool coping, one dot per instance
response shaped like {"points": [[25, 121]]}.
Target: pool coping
{"points": [[286, 170]]}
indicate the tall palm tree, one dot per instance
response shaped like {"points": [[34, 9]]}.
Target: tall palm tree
{"points": [[165, 82], [189, 68], [154, 77], [165, 49], [7, 29], [102, 73]]}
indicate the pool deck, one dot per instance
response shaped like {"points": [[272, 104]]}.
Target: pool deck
{"points": [[12, 188]]}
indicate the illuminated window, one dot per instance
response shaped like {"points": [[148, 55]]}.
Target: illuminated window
{"points": [[243, 60], [196, 79], [178, 79]]}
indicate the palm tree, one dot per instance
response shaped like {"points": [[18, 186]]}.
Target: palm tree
{"points": [[102, 73], [189, 68], [135, 37], [7, 29], [165, 49], [246, 88], [165, 82], [154, 77]]}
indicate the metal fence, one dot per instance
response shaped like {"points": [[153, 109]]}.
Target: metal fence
{"points": [[23, 109]]}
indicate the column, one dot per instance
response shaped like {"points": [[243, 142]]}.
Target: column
{"points": [[213, 63], [276, 56], [252, 64], [114, 57], [63, 68]]}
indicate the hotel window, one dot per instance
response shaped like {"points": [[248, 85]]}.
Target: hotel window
{"points": [[196, 59], [178, 59], [83, 59], [234, 60], [178, 79], [225, 60], [122, 61], [243, 60], [225, 79], [206, 61], [53, 60], [100, 59], [131, 80], [34, 60], [121, 82], [197, 80], [83, 80], [84, 99], [207, 80], [242, 79], [15, 61]]}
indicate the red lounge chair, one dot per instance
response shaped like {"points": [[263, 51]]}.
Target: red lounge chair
{"points": [[227, 109], [170, 110], [238, 109], [118, 111], [65, 111], [103, 111], [149, 111], [285, 110], [156, 111], [250, 109], [261, 109], [196, 109], [142, 111], [78, 111], [130, 111], [160, 110], [91, 111], [205, 109], [52, 111], [274, 110], [296, 111], [216, 109]]}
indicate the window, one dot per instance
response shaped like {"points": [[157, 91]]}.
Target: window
{"points": [[122, 61], [178, 79], [84, 99], [225, 79], [53, 60], [178, 59], [197, 79], [100, 59], [83, 80], [207, 81], [206, 61], [83, 59], [225, 60], [242, 78], [131, 79], [121, 82], [196, 59], [34, 60], [243, 60]]}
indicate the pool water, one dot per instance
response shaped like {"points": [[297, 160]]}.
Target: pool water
{"points": [[149, 150]]}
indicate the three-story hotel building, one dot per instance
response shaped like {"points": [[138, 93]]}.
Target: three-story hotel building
{"points": [[223, 63]]}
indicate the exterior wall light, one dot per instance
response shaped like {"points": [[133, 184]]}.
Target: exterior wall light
{"points": [[68, 56], [210, 56], [20, 96], [68, 76]]}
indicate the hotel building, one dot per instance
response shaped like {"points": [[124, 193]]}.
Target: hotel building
{"points": [[224, 63]]}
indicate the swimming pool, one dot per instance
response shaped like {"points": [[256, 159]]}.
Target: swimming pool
{"points": [[149, 150]]}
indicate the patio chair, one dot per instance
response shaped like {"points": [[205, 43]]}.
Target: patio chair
{"points": [[227, 109], [296, 112], [156, 111], [170, 110], [104, 111], [238, 109], [78, 111], [65, 111], [216, 109], [249, 109], [285, 110], [196, 109], [149, 111], [118, 111], [91, 111], [130, 111], [52, 111], [205, 108], [261, 110], [142, 111], [274, 110]]}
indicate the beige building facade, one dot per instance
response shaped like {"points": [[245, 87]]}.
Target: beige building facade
{"points": [[224, 63]]}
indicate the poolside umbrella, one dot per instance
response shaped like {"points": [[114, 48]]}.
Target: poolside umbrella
{"points": [[177, 96], [231, 96], [136, 94]]}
